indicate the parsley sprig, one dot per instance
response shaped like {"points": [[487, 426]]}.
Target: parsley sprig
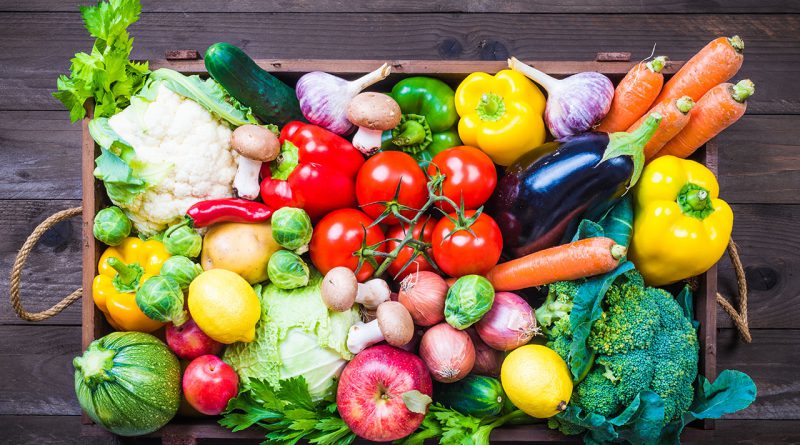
{"points": [[288, 413], [454, 428]]}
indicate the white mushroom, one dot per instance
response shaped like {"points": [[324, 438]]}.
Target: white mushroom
{"points": [[373, 113], [255, 144], [393, 324], [341, 289]]}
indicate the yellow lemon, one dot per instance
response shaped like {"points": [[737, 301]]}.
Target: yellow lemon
{"points": [[224, 306], [536, 380]]}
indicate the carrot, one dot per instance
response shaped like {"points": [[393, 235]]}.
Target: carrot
{"points": [[675, 116], [634, 95], [582, 258], [717, 62], [715, 111]]}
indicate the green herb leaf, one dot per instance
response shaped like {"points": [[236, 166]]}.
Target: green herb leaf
{"points": [[106, 74]]}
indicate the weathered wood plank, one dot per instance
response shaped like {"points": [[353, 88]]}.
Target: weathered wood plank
{"points": [[35, 55], [54, 267], [422, 6]]}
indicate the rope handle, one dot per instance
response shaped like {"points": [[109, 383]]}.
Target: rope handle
{"points": [[22, 257], [739, 318]]}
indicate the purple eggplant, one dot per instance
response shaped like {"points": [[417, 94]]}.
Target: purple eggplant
{"points": [[574, 104], [546, 190]]}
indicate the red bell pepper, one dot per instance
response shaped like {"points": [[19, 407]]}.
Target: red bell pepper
{"points": [[315, 171]]}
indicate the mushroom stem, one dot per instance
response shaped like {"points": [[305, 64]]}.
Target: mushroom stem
{"points": [[367, 141], [246, 183], [363, 335], [372, 293]]}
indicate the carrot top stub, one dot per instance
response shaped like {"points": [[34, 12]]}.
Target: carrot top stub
{"points": [[742, 90]]}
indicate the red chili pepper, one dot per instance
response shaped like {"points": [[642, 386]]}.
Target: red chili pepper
{"points": [[213, 211]]}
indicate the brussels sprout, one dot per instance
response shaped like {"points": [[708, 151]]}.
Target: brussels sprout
{"points": [[161, 299], [111, 226], [287, 270], [469, 299], [183, 240], [181, 269], [292, 229]]}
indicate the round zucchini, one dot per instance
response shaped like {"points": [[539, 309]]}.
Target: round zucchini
{"points": [[474, 395]]}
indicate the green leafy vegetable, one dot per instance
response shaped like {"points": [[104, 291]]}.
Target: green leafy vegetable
{"points": [[183, 240], [111, 226], [292, 229], [181, 269], [107, 74], [287, 270], [161, 299], [469, 299], [454, 428], [288, 413]]}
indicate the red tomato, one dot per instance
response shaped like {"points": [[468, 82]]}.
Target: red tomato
{"points": [[468, 172], [377, 181], [338, 235], [419, 263], [463, 253]]}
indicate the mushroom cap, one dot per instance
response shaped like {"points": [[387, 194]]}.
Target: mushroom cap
{"points": [[255, 142], [395, 323], [375, 111], [339, 289]]}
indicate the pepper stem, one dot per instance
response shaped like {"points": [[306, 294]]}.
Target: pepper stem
{"points": [[742, 90], [657, 64], [491, 107], [695, 201], [684, 104], [413, 135], [632, 144], [95, 364], [128, 275], [548, 82]]}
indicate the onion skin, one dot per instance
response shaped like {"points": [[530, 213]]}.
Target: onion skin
{"points": [[423, 294], [324, 97], [509, 324], [448, 353], [488, 360]]}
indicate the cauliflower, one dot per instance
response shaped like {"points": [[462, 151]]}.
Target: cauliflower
{"points": [[176, 131]]}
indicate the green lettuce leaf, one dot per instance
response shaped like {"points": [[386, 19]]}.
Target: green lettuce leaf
{"points": [[106, 74]]}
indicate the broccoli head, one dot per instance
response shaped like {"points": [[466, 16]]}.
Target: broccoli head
{"points": [[642, 341]]}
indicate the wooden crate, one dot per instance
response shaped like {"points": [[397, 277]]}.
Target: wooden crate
{"points": [[187, 431]]}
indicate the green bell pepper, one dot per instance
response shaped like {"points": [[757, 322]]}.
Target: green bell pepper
{"points": [[428, 124]]}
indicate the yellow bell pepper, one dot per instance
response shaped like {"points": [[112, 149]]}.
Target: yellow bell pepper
{"points": [[121, 270], [681, 228], [500, 114]]}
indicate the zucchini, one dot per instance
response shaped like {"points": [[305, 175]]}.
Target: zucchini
{"points": [[474, 395], [272, 101]]}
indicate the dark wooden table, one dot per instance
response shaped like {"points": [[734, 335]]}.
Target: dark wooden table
{"points": [[759, 156]]}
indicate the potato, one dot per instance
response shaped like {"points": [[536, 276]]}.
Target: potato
{"points": [[241, 248]]}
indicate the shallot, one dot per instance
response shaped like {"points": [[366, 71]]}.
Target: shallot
{"points": [[324, 97], [575, 104], [448, 353], [423, 294], [487, 359], [509, 324]]}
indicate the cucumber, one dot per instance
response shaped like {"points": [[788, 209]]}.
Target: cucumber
{"points": [[474, 395], [272, 101]]}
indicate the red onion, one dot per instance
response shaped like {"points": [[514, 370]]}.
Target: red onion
{"points": [[324, 97], [574, 104], [509, 324], [487, 359], [448, 353], [423, 294]]}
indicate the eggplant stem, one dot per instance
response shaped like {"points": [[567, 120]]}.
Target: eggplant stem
{"points": [[548, 82]]}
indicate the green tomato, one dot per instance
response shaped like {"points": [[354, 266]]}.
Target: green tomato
{"points": [[181, 269], [161, 299], [287, 270], [183, 240], [469, 299], [111, 226], [292, 229]]}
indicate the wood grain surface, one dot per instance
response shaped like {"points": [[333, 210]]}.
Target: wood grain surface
{"points": [[759, 157]]}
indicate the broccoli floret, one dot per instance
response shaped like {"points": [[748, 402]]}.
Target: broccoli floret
{"points": [[642, 341], [596, 393]]}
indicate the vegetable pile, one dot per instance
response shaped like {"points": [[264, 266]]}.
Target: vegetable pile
{"points": [[326, 263]]}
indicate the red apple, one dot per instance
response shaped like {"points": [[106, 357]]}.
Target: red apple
{"points": [[370, 392], [208, 384], [188, 342]]}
